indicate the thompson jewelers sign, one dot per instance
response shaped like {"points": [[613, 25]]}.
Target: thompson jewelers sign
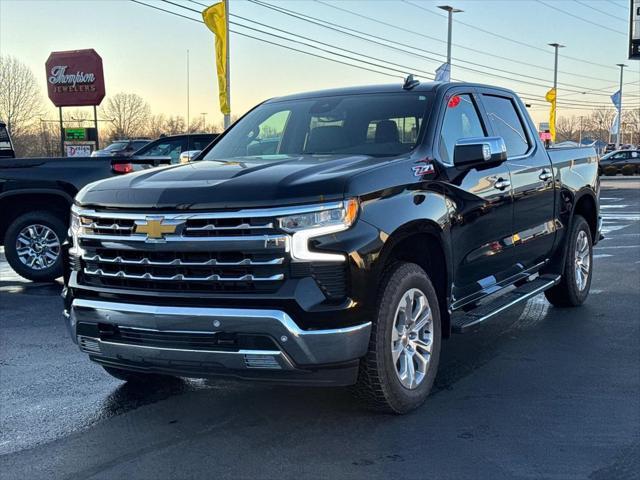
{"points": [[75, 78]]}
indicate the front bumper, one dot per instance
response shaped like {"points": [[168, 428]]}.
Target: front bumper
{"points": [[295, 355]]}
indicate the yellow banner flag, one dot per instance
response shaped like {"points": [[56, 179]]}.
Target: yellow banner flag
{"points": [[551, 98], [215, 17]]}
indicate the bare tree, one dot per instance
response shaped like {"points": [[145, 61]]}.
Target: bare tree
{"points": [[20, 101], [128, 114], [600, 122], [567, 128]]}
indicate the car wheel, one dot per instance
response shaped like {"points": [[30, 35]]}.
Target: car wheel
{"points": [[575, 283], [33, 245], [398, 371], [136, 377]]}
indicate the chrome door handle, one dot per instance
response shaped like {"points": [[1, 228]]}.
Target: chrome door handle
{"points": [[502, 184], [545, 175]]}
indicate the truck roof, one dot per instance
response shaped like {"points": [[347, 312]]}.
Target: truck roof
{"points": [[384, 88]]}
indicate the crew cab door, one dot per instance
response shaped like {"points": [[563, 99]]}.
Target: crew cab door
{"points": [[531, 178], [482, 194]]}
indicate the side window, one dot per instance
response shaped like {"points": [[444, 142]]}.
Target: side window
{"points": [[461, 120], [269, 133], [507, 123]]}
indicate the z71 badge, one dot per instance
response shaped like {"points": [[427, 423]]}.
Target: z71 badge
{"points": [[425, 169]]}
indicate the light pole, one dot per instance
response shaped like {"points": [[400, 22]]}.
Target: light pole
{"points": [[556, 46], [204, 114], [451, 11], [618, 140]]}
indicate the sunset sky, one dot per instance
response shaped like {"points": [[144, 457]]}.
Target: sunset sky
{"points": [[144, 50]]}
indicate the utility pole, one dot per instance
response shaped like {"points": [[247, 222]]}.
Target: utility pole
{"points": [[619, 129], [450, 10], [556, 46], [188, 99], [227, 117]]}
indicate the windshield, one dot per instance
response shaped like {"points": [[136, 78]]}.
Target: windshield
{"points": [[117, 146], [371, 124]]}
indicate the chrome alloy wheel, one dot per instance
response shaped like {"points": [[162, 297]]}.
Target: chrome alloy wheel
{"points": [[38, 246], [582, 260], [412, 338]]}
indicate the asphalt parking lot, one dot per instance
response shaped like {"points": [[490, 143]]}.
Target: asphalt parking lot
{"points": [[538, 393]]}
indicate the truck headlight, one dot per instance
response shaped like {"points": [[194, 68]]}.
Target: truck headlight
{"points": [[324, 221]]}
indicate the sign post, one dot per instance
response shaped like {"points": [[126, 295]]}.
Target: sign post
{"points": [[75, 79]]}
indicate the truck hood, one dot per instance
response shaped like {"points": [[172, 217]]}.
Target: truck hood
{"points": [[218, 184]]}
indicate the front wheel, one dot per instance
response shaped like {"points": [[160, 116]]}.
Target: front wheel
{"points": [[575, 283], [398, 371], [32, 245]]}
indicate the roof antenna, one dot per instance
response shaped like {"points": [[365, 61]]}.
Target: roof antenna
{"points": [[410, 82]]}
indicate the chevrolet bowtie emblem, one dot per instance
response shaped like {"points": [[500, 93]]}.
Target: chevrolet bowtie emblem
{"points": [[157, 227]]}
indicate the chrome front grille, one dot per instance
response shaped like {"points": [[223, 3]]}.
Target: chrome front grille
{"points": [[194, 252]]}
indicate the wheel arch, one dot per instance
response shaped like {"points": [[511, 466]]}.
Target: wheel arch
{"points": [[14, 204], [424, 243], [587, 206]]}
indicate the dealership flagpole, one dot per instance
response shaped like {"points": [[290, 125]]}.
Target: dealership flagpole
{"points": [[619, 107], [188, 99], [227, 116]]}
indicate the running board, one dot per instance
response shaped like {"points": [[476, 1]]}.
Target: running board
{"points": [[464, 322]]}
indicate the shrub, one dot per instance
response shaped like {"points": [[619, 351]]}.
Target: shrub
{"points": [[610, 171], [629, 170]]}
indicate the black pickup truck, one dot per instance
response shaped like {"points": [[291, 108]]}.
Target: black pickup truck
{"points": [[380, 221], [37, 193]]}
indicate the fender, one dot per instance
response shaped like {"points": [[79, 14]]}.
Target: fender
{"points": [[30, 191], [566, 213], [406, 212]]}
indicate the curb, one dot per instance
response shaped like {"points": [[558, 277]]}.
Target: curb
{"points": [[620, 177]]}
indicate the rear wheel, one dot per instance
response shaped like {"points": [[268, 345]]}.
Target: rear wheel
{"points": [[575, 283], [136, 377], [398, 371], [33, 245]]}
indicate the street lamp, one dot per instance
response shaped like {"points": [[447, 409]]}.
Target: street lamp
{"points": [[451, 11]]}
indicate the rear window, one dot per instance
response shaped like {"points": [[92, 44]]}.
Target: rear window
{"points": [[367, 124]]}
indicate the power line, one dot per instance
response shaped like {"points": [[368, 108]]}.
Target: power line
{"points": [[406, 70], [524, 44], [298, 50], [603, 12], [466, 48], [413, 49], [269, 42], [580, 18]]}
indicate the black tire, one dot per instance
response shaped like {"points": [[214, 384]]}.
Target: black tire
{"points": [[136, 377], [378, 385], [48, 219], [567, 293]]}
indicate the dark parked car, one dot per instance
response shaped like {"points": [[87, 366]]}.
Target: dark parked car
{"points": [[121, 148], [6, 146], [382, 220], [614, 162]]}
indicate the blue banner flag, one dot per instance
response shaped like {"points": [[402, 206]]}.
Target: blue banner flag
{"points": [[616, 98]]}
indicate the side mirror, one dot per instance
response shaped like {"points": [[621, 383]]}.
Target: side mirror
{"points": [[189, 155], [474, 151]]}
